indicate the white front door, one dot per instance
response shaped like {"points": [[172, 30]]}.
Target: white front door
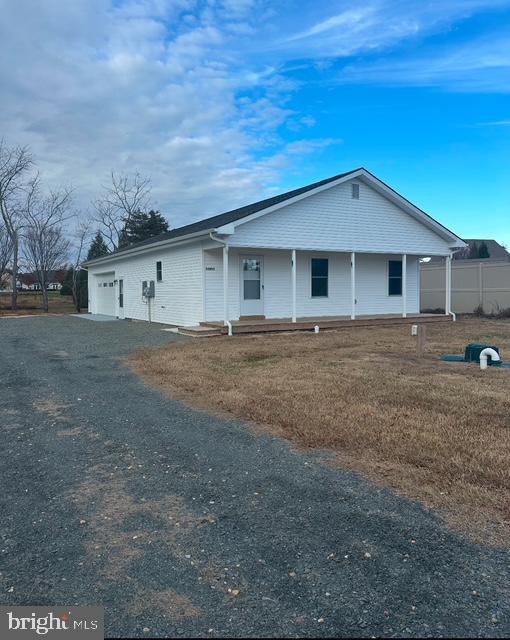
{"points": [[252, 286]]}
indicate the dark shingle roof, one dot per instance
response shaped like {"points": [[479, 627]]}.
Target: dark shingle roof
{"points": [[233, 215], [496, 251]]}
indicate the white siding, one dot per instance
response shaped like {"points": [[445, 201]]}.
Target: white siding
{"points": [[179, 297], [371, 284], [332, 220]]}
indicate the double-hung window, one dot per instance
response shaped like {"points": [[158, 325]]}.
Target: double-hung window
{"points": [[159, 271], [395, 277], [320, 273]]}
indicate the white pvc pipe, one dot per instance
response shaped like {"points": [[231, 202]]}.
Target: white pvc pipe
{"points": [[484, 355], [229, 325]]}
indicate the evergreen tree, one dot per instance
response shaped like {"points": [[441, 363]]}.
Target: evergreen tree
{"points": [[483, 250], [79, 281], [98, 247], [67, 284], [473, 252], [143, 225]]}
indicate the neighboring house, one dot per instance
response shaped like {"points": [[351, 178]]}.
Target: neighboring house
{"points": [[496, 251], [345, 246], [29, 281], [6, 282]]}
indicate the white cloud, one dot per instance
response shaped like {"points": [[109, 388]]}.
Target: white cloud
{"points": [[371, 26], [195, 93], [481, 65], [495, 123], [93, 85]]}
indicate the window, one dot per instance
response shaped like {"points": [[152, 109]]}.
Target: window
{"points": [[395, 277], [355, 191], [319, 277], [159, 272], [121, 293]]}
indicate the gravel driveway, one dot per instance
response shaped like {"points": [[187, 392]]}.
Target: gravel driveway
{"points": [[183, 524]]}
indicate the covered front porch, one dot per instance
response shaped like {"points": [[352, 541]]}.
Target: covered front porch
{"points": [[246, 288]]}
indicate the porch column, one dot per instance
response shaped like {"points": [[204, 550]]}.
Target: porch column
{"points": [[353, 286], [448, 285], [294, 267], [225, 284], [404, 285]]}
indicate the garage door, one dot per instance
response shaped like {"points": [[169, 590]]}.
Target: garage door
{"points": [[106, 294]]}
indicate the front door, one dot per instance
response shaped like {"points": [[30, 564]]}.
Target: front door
{"points": [[252, 287]]}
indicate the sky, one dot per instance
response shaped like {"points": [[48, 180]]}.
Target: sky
{"points": [[224, 102]]}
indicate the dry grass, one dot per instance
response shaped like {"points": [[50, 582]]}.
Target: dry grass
{"points": [[436, 431], [31, 303]]}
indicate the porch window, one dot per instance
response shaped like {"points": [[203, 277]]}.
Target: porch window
{"points": [[159, 272], [320, 277], [395, 277]]}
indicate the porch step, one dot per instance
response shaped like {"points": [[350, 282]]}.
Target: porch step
{"points": [[199, 331]]}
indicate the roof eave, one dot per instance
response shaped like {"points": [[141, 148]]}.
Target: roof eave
{"points": [[147, 248]]}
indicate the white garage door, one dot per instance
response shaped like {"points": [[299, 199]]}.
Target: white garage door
{"points": [[106, 294]]}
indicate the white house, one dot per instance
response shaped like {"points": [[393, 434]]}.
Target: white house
{"points": [[348, 246]]}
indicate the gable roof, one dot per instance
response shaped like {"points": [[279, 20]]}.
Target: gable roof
{"points": [[221, 220], [234, 215]]}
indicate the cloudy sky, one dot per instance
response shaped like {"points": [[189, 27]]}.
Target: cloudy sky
{"points": [[222, 102]]}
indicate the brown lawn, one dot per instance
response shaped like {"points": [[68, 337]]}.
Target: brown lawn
{"points": [[435, 431], [30, 303]]}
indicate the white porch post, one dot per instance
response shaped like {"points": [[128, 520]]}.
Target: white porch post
{"points": [[225, 284], [294, 267], [448, 285], [404, 285], [353, 286]]}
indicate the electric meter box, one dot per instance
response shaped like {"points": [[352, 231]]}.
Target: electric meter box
{"points": [[148, 289]]}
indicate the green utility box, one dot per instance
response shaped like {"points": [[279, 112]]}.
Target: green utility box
{"points": [[473, 351]]}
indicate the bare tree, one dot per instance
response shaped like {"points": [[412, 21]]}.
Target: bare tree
{"points": [[5, 251], [45, 248], [15, 163], [125, 196], [81, 237]]}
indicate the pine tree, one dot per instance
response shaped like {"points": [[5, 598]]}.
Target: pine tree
{"points": [[473, 251], [143, 225], [98, 247], [483, 251]]}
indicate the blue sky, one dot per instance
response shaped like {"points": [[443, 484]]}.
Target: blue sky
{"points": [[222, 102]]}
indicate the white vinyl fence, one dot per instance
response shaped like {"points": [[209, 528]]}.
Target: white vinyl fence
{"points": [[475, 283]]}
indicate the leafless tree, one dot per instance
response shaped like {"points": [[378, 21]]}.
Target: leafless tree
{"points": [[45, 248], [81, 237], [5, 251], [125, 196], [15, 165]]}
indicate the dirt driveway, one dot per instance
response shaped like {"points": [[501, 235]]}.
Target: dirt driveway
{"points": [[183, 524]]}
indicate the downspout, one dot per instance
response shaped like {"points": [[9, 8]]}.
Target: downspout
{"points": [[222, 242], [450, 312]]}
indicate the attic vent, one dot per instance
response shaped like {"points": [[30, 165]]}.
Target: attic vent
{"points": [[355, 191]]}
